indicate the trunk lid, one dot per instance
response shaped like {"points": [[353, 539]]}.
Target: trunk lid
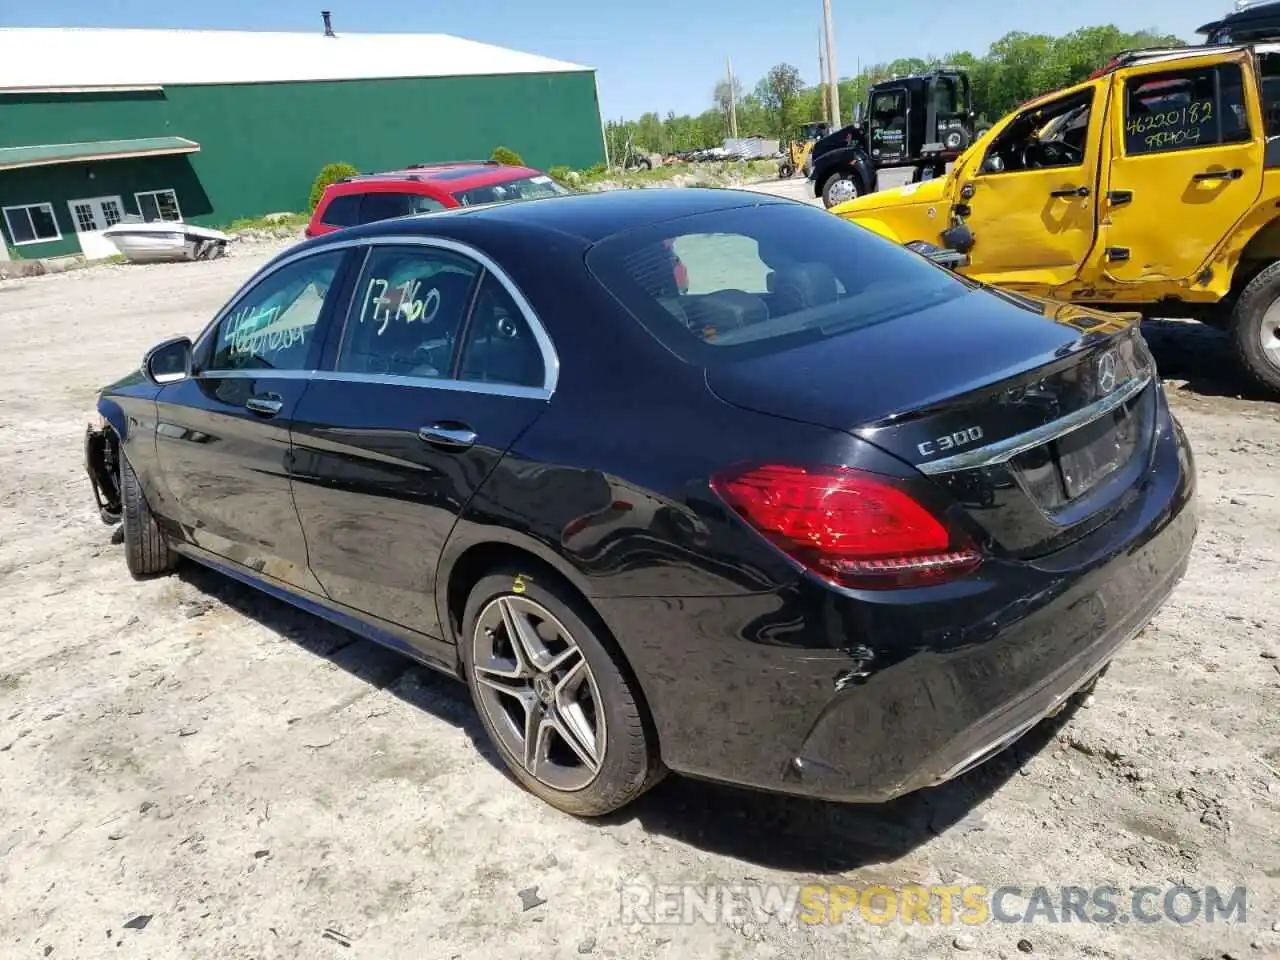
{"points": [[1038, 418]]}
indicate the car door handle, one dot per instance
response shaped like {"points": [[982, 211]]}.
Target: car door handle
{"points": [[266, 406], [450, 436], [1070, 192], [1234, 174]]}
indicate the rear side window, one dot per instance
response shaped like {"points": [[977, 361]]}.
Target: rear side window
{"points": [[735, 283], [409, 306], [500, 346], [1185, 109], [342, 211], [384, 206]]}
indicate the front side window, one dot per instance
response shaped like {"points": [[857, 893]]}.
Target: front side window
{"points": [[273, 326], [719, 286], [408, 310], [159, 205], [31, 224], [500, 347], [1044, 137], [525, 188], [1185, 109]]}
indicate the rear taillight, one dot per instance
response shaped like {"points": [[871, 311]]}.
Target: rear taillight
{"points": [[850, 527]]}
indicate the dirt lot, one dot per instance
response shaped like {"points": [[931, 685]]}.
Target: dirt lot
{"points": [[189, 769]]}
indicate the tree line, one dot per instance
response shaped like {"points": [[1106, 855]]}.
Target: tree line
{"points": [[1016, 68]]}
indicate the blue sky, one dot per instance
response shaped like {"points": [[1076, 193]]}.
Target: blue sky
{"points": [[656, 54]]}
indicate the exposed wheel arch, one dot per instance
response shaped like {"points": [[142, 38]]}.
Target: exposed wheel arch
{"points": [[481, 558]]}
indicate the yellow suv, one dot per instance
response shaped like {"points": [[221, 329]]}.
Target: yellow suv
{"points": [[1153, 186]]}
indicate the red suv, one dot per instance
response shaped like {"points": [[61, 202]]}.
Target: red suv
{"points": [[423, 188]]}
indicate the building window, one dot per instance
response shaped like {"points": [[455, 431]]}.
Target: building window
{"points": [[159, 205], [31, 224], [96, 213]]}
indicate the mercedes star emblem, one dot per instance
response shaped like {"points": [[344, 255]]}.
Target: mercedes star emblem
{"points": [[1106, 373]]}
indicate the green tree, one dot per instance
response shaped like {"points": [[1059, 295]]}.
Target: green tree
{"points": [[329, 173], [779, 94]]}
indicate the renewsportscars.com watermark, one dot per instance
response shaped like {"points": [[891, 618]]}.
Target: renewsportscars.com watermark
{"points": [[674, 904]]}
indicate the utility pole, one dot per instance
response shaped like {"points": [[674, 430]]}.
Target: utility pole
{"points": [[733, 101], [831, 64], [822, 82]]}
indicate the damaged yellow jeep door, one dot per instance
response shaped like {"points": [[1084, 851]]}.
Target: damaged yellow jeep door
{"points": [[1187, 150], [1027, 191], [1032, 193]]}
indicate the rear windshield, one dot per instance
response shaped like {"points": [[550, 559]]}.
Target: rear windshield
{"points": [[740, 283], [526, 188]]}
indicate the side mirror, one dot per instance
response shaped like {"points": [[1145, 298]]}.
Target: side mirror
{"points": [[993, 164], [857, 113], [168, 362], [959, 238]]}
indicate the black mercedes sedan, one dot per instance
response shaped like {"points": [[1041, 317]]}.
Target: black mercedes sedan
{"points": [[692, 480]]}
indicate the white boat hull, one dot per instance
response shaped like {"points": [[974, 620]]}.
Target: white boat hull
{"points": [[156, 242]]}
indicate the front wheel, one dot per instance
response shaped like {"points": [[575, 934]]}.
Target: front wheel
{"points": [[786, 171], [564, 715], [1255, 328], [146, 551], [840, 187]]}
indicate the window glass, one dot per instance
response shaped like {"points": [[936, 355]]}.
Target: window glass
{"points": [[501, 347], [946, 99], [274, 325], [31, 224], [1046, 136], [525, 188], [728, 284], [1183, 109], [342, 211], [408, 309], [157, 205], [1270, 69], [384, 206]]}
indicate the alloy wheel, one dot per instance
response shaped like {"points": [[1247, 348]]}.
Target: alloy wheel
{"points": [[538, 693]]}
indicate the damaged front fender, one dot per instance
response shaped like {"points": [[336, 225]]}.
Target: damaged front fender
{"points": [[102, 463]]}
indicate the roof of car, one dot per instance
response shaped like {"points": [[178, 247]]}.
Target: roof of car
{"points": [[450, 177], [587, 216]]}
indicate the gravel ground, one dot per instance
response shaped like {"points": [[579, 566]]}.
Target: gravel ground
{"points": [[190, 769]]}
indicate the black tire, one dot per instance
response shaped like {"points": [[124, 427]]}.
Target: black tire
{"points": [[1250, 325], [630, 764], [832, 183], [786, 171], [146, 551]]}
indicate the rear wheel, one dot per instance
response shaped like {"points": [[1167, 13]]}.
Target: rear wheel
{"points": [[786, 170], [1255, 328], [562, 713], [840, 187], [146, 551]]}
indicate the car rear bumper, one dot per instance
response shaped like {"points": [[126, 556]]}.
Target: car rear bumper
{"points": [[865, 697]]}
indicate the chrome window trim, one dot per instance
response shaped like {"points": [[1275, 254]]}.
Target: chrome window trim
{"points": [[550, 359], [1005, 450], [429, 383]]}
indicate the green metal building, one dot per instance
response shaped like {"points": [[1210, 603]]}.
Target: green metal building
{"points": [[212, 126]]}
